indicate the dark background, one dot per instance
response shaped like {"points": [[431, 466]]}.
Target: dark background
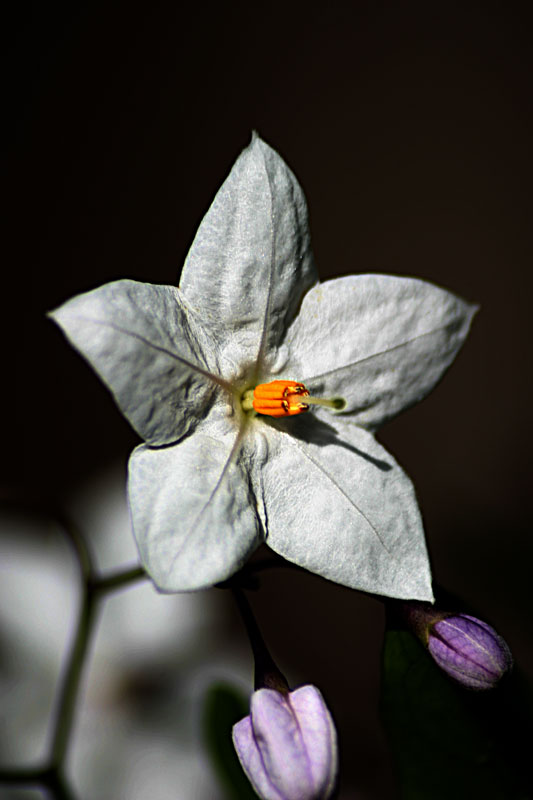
{"points": [[409, 127]]}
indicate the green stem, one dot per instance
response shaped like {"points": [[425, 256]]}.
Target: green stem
{"points": [[51, 778], [116, 580], [267, 673], [70, 686], [82, 552], [93, 587], [59, 787], [23, 775]]}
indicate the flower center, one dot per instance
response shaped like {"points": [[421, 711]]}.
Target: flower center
{"points": [[284, 399]]}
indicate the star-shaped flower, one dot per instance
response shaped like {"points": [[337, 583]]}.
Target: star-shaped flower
{"points": [[215, 478]]}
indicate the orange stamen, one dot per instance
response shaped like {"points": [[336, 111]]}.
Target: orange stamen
{"points": [[280, 398]]}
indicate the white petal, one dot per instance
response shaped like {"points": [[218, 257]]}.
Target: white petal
{"points": [[193, 512], [251, 260], [338, 504], [379, 341], [148, 349]]}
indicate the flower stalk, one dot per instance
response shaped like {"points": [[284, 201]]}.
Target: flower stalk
{"points": [[267, 674], [287, 745]]}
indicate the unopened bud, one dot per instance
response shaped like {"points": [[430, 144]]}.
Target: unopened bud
{"points": [[470, 651], [467, 649], [287, 746]]}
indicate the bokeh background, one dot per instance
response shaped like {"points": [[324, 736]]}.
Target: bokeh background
{"points": [[409, 126]]}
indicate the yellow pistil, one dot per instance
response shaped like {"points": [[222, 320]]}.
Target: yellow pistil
{"points": [[284, 399]]}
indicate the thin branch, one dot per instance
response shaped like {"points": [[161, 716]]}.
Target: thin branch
{"points": [[59, 786], [118, 579], [70, 687], [47, 777], [267, 673], [81, 550], [23, 775], [93, 587]]}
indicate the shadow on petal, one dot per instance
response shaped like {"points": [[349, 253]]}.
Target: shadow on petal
{"points": [[309, 428]]}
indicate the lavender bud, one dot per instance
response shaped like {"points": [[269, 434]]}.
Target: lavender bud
{"points": [[287, 746], [469, 650], [466, 648]]}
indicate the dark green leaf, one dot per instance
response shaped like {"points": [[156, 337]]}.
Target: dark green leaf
{"points": [[448, 742]]}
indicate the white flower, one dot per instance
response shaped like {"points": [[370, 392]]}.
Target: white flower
{"points": [[214, 480]]}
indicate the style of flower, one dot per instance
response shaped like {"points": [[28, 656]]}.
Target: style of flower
{"points": [[287, 746], [228, 463]]}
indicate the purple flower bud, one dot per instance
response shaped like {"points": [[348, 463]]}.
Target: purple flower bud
{"points": [[469, 650], [288, 745]]}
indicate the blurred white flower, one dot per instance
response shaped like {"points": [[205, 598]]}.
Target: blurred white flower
{"points": [[136, 728]]}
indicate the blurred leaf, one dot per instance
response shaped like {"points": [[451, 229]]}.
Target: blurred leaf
{"points": [[447, 741], [224, 706]]}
